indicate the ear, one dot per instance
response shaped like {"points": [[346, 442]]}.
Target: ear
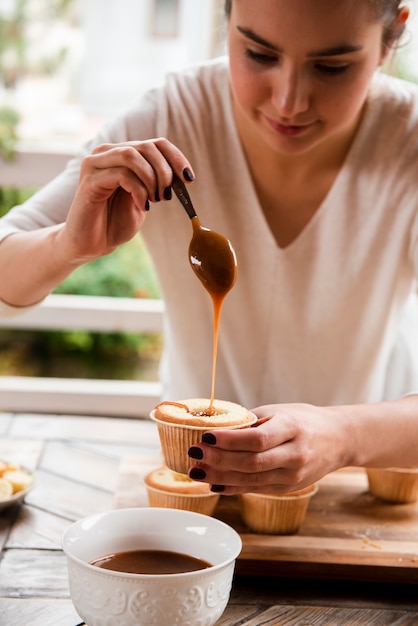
{"points": [[394, 32], [398, 25]]}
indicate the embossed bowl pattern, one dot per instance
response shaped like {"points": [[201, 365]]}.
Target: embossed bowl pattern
{"points": [[107, 598]]}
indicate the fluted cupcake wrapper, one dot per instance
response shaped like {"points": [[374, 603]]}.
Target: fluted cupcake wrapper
{"points": [[176, 439], [394, 484], [204, 503], [275, 514]]}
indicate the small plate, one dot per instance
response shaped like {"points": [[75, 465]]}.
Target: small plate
{"points": [[19, 496]]}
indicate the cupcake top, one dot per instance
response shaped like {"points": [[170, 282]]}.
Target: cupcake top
{"points": [[167, 480], [198, 412]]}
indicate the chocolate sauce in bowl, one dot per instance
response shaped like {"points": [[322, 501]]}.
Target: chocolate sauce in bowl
{"points": [[150, 562]]}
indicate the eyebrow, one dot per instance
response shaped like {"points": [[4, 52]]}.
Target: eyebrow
{"points": [[327, 52]]}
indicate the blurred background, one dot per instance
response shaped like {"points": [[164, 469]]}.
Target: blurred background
{"points": [[66, 66]]}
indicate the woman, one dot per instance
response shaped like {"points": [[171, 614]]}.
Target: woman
{"points": [[304, 156]]}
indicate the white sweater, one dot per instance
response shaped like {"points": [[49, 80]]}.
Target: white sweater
{"points": [[329, 319]]}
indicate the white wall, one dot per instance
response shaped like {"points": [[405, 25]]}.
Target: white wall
{"points": [[123, 58]]}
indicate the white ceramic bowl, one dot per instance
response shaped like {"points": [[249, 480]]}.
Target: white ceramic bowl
{"points": [[106, 598]]}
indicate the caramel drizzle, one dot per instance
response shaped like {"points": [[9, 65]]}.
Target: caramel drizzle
{"points": [[178, 404], [205, 413], [217, 290]]}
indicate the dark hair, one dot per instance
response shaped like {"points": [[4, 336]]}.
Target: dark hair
{"points": [[385, 10]]}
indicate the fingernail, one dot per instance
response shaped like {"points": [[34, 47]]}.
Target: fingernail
{"points": [[209, 438], [197, 474], [147, 205], [217, 488], [168, 193], [195, 453], [187, 175], [157, 196]]}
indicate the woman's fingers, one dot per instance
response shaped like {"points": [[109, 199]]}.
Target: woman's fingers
{"points": [[277, 479], [263, 435], [99, 185], [291, 447], [151, 161], [116, 184]]}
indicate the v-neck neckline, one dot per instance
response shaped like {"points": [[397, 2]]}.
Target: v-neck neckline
{"points": [[327, 200]]}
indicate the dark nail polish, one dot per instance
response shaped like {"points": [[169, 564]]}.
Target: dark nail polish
{"points": [[217, 488], [168, 193], [209, 439], [157, 196], [195, 453], [197, 474], [187, 175], [147, 205]]}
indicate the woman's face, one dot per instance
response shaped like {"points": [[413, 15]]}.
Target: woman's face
{"points": [[300, 69]]}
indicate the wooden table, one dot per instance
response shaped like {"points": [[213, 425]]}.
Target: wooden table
{"points": [[79, 464]]}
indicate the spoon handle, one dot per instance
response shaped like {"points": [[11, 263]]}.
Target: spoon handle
{"points": [[183, 195]]}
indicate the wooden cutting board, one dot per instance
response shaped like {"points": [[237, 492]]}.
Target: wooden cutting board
{"points": [[347, 533]]}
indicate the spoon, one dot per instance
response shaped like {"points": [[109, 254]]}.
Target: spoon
{"points": [[211, 255]]}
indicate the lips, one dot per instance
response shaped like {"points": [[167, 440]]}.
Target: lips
{"points": [[289, 130]]}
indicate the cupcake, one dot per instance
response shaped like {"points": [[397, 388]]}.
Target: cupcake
{"points": [[276, 514], [173, 490], [182, 424], [394, 484]]}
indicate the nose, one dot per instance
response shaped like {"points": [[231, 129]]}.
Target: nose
{"points": [[291, 92]]}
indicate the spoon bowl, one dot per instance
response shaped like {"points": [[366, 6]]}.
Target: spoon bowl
{"points": [[212, 259], [211, 255]]}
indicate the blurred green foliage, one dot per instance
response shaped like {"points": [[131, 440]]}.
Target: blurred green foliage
{"points": [[127, 272], [9, 119]]}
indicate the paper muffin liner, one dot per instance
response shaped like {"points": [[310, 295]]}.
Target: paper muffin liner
{"points": [[394, 484], [204, 503], [276, 514], [176, 439]]}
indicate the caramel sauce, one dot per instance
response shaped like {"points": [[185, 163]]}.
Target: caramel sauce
{"points": [[150, 562], [214, 262], [178, 404]]}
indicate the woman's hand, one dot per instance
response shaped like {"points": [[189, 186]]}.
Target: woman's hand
{"points": [[116, 184], [291, 446]]}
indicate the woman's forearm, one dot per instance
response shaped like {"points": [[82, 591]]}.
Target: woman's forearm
{"points": [[382, 434], [35, 263]]}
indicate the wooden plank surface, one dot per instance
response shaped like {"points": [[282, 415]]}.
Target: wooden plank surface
{"points": [[321, 616], [84, 465], [346, 533]]}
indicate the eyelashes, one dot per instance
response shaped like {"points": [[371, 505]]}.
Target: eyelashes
{"points": [[332, 70], [322, 68], [263, 59]]}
